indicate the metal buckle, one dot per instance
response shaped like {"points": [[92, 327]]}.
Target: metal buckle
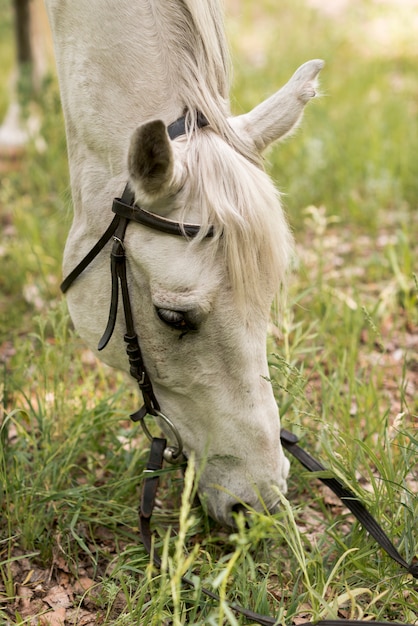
{"points": [[172, 454], [119, 241]]}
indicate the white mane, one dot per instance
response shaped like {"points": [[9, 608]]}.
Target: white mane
{"points": [[244, 205], [195, 54], [244, 208]]}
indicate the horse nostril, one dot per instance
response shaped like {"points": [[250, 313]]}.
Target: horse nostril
{"points": [[243, 508], [239, 507]]}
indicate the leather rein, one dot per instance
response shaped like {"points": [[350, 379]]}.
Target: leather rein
{"points": [[127, 211], [347, 497]]}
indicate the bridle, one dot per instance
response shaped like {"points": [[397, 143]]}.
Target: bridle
{"points": [[347, 497], [127, 211]]}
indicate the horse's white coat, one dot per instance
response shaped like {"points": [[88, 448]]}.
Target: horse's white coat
{"points": [[122, 64]]}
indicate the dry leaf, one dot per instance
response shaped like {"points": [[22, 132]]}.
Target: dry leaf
{"points": [[58, 597], [54, 618]]}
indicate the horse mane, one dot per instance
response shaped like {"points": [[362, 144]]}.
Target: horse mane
{"points": [[226, 177], [239, 200], [192, 46]]}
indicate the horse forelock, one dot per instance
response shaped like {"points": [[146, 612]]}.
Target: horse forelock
{"points": [[239, 200]]}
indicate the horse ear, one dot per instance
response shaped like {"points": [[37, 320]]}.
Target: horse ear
{"points": [[151, 161], [279, 114]]}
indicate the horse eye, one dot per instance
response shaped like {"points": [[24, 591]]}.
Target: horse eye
{"points": [[175, 319]]}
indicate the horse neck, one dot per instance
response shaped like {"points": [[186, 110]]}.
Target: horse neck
{"points": [[150, 60]]}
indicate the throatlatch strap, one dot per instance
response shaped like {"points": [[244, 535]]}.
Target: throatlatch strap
{"points": [[127, 197], [90, 256], [118, 272]]}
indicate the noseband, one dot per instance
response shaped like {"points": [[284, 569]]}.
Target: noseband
{"points": [[127, 211]]}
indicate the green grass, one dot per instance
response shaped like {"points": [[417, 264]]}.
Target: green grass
{"points": [[6, 52], [344, 369]]}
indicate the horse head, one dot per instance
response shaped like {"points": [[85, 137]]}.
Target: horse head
{"points": [[202, 305]]}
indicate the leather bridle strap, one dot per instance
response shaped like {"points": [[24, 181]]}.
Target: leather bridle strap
{"points": [[148, 496], [348, 498], [136, 363], [126, 211], [149, 493], [182, 124], [125, 207], [135, 213], [90, 256]]}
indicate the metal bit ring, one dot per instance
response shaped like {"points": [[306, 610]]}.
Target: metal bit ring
{"points": [[172, 454]]}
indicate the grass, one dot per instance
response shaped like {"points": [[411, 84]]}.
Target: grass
{"points": [[344, 369]]}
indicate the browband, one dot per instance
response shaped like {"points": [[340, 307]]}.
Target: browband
{"points": [[135, 213], [126, 207]]}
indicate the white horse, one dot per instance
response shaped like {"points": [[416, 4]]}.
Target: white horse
{"points": [[33, 48], [127, 69]]}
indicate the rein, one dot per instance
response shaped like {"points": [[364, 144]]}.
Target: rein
{"points": [[126, 211], [347, 497]]}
